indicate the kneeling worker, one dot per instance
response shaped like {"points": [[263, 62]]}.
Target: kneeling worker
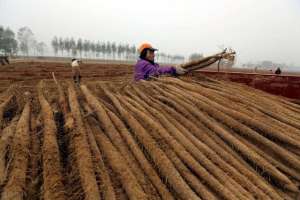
{"points": [[146, 67], [76, 71]]}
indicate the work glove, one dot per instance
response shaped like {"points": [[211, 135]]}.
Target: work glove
{"points": [[180, 70]]}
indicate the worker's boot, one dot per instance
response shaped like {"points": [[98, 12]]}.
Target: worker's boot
{"points": [[74, 79], [79, 79]]}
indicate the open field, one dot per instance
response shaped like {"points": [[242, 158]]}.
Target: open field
{"points": [[169, 138]]}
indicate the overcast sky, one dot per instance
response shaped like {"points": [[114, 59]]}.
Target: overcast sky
{"points": [[256, 29]]}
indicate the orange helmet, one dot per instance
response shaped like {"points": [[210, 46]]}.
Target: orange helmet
{"points": [[146, 46]]}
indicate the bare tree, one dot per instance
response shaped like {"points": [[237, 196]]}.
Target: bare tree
{"points": [[133, 52], [67, 45], [120, 51], [93, 48], [61, 45], [73, 47], [41, 47], [103, 50], [108, 49], [25, 37], [114, 50], [86, 47], [80, 46], [55, 45], [98, 49], [127, 51], [33, 45]]}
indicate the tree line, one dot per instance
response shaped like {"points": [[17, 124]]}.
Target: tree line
{"points": [[24, 43], [84, 48]]}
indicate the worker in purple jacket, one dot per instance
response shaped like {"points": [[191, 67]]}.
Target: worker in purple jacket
{"points": [[146, 67]]}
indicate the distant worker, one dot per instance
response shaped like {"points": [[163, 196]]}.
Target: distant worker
{"points": [[146, 67], [76, 71], [278, 71], [255, 69]]}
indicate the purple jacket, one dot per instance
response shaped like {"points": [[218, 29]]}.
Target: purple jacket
{"points": [[144, 69]]}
